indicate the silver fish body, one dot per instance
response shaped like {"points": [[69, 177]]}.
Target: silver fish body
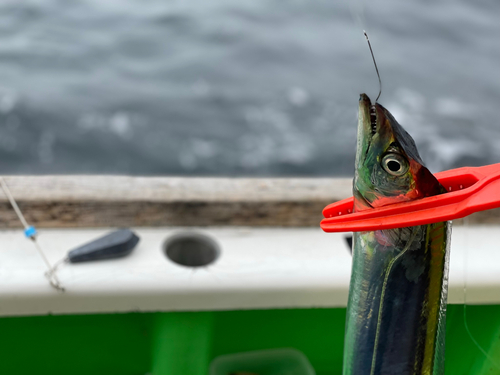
{"points": [[397, 298]]}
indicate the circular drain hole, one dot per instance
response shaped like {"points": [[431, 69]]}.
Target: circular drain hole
{"points": [[191, 249]]}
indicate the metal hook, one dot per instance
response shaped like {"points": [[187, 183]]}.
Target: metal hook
{"points": [[376, 67]]}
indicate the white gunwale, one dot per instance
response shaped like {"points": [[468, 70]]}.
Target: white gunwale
{"points": [[259, 268], [273, 253]]}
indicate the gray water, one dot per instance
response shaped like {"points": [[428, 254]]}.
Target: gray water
{"points": [[247, 87]]}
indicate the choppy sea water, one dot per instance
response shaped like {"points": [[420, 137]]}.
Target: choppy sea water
{"points": [[247, 87]]}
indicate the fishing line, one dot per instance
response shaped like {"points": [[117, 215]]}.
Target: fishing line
{"points": [[357, 13], [466, 226], [359, 19], [376, 67], [31, 233]]}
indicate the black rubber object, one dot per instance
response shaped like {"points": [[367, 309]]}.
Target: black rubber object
{"points": [[116, 244]]}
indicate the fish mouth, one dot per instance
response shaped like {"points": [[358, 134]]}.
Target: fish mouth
{"points": [[369, 112], [373, 119], [368, 117], [372, 111]]}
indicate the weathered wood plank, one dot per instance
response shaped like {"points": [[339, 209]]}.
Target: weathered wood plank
{"points": [[174, 189], [120, 201], [104, 201]]}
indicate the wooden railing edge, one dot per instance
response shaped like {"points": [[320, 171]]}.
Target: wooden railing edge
{"points": [[126, 201]]}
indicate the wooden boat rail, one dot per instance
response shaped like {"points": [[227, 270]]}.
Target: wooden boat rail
{"points": [[79, 201]]}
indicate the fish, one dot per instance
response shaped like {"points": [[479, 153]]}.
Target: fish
{"points": [[396, 312]]}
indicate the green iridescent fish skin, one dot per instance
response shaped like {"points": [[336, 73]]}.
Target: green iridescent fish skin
{"points": [[397, 297]]}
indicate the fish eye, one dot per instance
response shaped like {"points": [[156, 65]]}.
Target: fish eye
{"points": [[395, 164]]}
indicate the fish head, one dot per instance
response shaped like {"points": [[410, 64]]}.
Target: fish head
{"points": [[388, 167]]}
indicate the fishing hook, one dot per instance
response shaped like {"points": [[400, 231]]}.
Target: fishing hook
{"points": [[376, 67]]}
